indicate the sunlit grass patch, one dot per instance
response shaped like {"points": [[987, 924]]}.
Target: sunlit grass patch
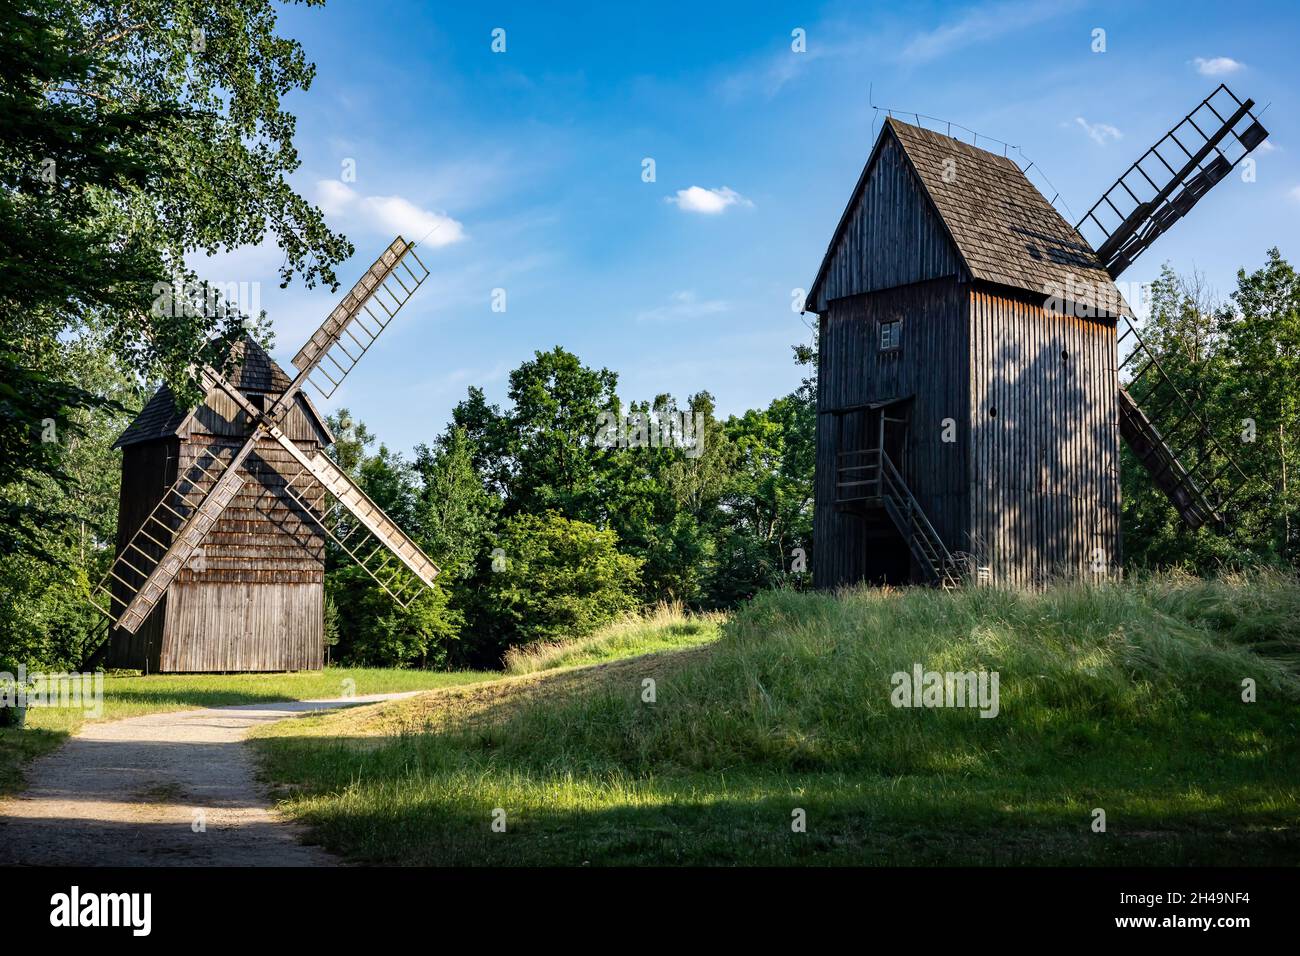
{"points": [[665, 627], [1125, 697]]}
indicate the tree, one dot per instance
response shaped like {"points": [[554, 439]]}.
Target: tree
{"points": [[60, 258], [369, 626], [1237, 365], [454, 512], [1261, 346], [554, 579], [135, 133], [45, 617]]}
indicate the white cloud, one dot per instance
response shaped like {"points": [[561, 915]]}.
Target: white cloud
{"points": [[1099, 133], [1295, 193], [981, 23], [1217, 66], [334, 197], [684, 305], [707, 201], [389, 214]]}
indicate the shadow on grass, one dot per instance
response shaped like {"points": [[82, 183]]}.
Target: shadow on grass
{"points": [[758, 832], [420, 801]]}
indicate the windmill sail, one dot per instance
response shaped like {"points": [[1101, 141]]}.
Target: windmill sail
{"points": [[139, 576], [1202, 491], [1170, 178], [1153, 194], [371, 538], [349, 331]]}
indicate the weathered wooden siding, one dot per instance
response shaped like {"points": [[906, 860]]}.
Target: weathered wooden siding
{"points": [[240, 626], [931, 369], [148, 470], [1044, 469], [892, 236], [219, 415], [251, 598]]}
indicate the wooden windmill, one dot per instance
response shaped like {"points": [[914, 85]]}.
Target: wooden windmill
{"points": [[226, 509], [969, 400]]}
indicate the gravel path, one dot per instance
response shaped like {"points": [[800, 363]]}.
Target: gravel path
{"points": [[174, 789]]}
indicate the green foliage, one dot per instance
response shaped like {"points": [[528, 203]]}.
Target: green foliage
{"points": [[135, 133], [45, 617], [555, 578], [369, 626], [589, 530], [1239, 365], [744, 493], [374, 630]]}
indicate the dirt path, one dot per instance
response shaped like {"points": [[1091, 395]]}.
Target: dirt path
{"points": [[174, 789]]}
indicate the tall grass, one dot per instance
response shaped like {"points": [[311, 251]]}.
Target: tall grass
{"points": [[665, 627], [1126, 696]]}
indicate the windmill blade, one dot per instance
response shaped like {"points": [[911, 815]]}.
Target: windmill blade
{"points": [[370, 538], [1201, 491], [1161, 462], [150, 560], [349, 331], [1170, 178]]}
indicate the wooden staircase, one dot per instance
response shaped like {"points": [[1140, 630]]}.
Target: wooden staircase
{"points": [[869, 478]]}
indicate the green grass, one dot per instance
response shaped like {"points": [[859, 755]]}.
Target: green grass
{"points": [[664, 628], [131, 695], [1121, 697]]}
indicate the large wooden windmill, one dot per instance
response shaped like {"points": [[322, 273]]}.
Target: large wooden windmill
{"points": [[970, 404], [226, 509]]}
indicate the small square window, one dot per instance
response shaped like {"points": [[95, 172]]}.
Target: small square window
{"points": [[890, 335]]}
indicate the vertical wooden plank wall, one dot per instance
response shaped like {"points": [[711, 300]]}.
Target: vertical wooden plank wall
{"points": [[1044, 470], [893, 236], [931, 369], [148, 470], [257, 603]]}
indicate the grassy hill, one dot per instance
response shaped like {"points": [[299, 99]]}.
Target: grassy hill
{"points": [[1126, 698]]}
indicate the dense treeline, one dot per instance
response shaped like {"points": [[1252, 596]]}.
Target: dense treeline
{"points": [[544, 532], [1238, 363]]}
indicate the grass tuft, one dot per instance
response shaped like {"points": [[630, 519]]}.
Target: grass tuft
{"points": [[665, 627]]}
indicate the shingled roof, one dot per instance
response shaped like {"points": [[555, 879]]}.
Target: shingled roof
{"points": [[1003, 228], [253, 372]]}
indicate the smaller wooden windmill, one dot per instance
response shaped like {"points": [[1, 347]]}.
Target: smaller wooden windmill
{"points": [[226, 509]]}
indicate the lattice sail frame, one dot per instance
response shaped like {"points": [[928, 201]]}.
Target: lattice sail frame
{"points": [[1169, 179], [389, 285]]}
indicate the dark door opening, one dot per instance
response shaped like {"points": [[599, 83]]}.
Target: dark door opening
{"points": [[886, 558]]}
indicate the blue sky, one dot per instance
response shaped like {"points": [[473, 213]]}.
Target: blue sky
{"points": [[530, 162]]}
